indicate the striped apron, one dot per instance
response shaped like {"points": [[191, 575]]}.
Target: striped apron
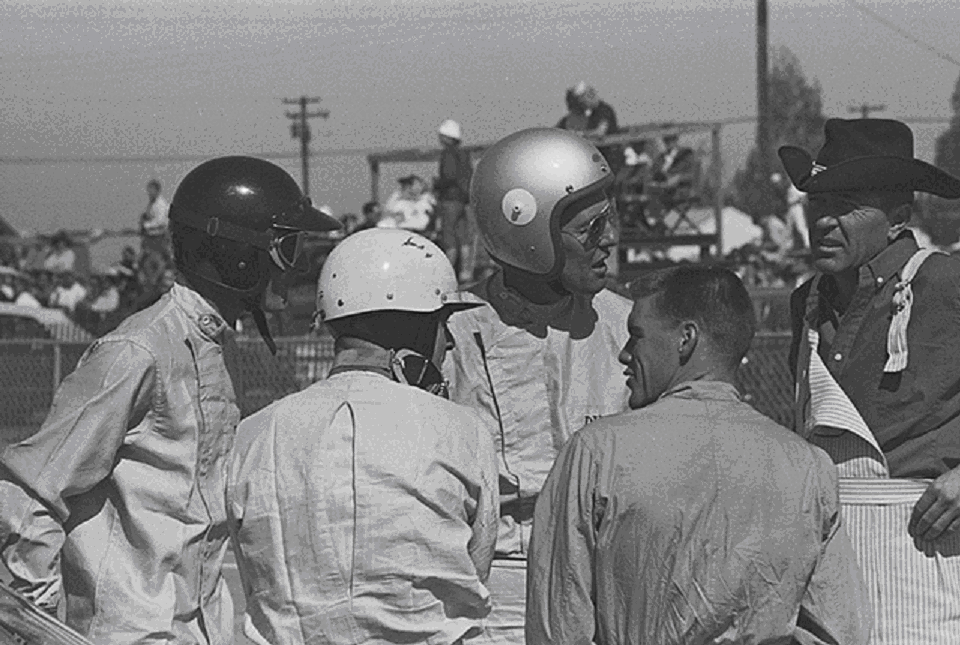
{"points": [[914, 587]]}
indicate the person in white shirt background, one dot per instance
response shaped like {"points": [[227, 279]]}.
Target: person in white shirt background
{"points": [[409, 207]]}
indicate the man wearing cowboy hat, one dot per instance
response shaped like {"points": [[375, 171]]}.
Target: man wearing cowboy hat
{"points": [[875, 351]]}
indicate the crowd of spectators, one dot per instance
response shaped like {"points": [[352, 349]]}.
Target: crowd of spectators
{"points": [[45, 272]]}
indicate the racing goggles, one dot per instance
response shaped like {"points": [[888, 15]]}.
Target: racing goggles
{"points": [[286, 250], [590, 235]]}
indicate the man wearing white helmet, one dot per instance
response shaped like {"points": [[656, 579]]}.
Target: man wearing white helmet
{"points": [[364, 508], [540, 360], [452, 186]]}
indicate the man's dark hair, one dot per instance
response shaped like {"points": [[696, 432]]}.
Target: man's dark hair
{"points": [[392, 329], [369, 207], [153, 183], [711, 296]]}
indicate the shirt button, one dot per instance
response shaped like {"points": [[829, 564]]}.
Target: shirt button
{"points": [[837, 356]]}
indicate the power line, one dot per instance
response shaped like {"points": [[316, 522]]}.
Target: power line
{"points": [[344, 152], [904, 33]]}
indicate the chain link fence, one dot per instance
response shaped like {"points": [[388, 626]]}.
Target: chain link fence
{"points": [[30, 371]]}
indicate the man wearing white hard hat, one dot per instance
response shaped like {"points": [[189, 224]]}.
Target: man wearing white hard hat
{"points": [[452, 186], [364, 508], [540, 359]]}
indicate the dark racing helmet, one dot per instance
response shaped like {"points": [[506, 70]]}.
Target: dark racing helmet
{"points": [[231, 218]]}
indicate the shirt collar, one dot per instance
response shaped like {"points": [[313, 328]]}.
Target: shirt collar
{"points": [[364, 357], [890, 261], [514, 308], [200, 311], [704, 390]]}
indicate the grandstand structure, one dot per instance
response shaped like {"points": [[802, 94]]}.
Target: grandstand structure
{"points": [[671, 224]]}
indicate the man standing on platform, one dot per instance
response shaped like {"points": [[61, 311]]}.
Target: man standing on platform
{"points": [[452, 187], [876, 353]]}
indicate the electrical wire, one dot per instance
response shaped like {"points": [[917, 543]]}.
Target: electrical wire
{"points": [[904, 33]]}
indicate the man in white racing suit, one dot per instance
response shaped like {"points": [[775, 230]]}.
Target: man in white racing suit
{"points": [[364, 508], [540, 359]]}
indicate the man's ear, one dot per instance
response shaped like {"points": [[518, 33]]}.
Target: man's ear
{"points": [[689, 337], [899, 216]]}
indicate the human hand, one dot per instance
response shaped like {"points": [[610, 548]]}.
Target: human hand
{"points": [[937, 512]]}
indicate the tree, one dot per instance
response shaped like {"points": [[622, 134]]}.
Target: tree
{"points": [[796, 118], [940, 218], [948, 144]]}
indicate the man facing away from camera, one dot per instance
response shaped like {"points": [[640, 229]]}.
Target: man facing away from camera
{"points": [[692, 518], [364, 508]]}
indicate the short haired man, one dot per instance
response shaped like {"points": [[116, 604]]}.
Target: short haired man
{"points": [[692, 518], [364, 509], [876, 349], [116, 505], [539, 360]]}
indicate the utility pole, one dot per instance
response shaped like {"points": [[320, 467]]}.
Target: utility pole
{"points": [[300, 129], [864, 109], [763, 92]]}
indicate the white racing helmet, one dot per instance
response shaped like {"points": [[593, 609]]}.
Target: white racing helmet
{"points": [[522, 186], [384, 269]]}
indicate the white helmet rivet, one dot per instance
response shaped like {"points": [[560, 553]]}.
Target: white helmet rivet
{"points": [[519, 206]]}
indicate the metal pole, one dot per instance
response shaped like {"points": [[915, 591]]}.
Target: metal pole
{"points": [[374, 180], [763, 93], [57, 364], [718, 182], [304, 146]]}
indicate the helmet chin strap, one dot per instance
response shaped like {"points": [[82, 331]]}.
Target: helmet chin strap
{"points": [[411, 368], [249, 298], [261, 319]]}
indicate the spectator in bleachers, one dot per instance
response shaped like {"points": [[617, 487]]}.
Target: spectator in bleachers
{"points": [[44, 286], [8, 290], [601, 121], [25, 292], [410, 207], [61, 258], [104, 297], [68, 292], [154, 236], [371, 212], [576, 117]]}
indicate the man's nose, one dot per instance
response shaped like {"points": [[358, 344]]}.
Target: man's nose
{"points": [[611, 233]]}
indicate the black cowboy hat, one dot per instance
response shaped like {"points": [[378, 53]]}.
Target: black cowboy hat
{"points": [[866, 154]]}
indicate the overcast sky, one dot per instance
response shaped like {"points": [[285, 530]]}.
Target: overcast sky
{"points": [[145, 78]]}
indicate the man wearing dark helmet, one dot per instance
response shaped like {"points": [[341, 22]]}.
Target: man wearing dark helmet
{"points": [[117, 503]]}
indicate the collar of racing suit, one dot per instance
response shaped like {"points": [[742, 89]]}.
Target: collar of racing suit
{"points": [[403, 366]]}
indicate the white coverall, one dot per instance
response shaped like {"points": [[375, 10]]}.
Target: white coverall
{"points": [[363, 511], [536, 375], [116, 504]]}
